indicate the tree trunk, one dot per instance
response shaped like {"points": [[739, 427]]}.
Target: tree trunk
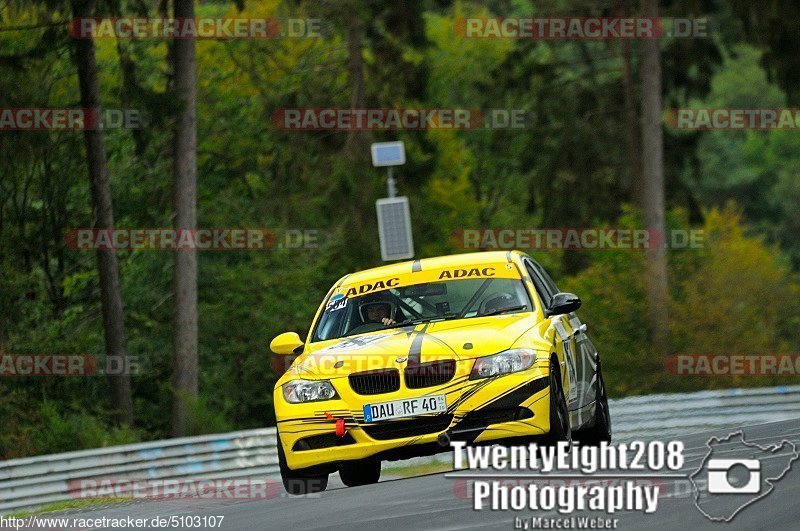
{"points": [[185, 367], [103, 217], [356, 140], [632, 145], [653, 186]]}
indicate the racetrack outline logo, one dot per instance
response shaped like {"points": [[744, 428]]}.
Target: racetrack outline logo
{"points": [[769, 479]]}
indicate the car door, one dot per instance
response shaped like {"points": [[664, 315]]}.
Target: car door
{"points": [[587, 368], [565, 343], [579, 353]]}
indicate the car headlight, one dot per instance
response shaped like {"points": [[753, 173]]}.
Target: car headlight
{"points": [[298, 391], [508, 361]]}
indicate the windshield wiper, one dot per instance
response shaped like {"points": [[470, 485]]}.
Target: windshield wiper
{"points": [[503, 310]]}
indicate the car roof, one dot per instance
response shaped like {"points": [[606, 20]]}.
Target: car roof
{"points": [[436, 262]]}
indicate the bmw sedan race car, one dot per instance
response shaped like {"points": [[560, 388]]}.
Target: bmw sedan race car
{"points": [[404, 358]]}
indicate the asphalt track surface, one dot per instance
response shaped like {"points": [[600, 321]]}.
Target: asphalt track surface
{"points": [[439, 501]]}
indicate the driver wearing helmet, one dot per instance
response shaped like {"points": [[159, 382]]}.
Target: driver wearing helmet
{"points": [[377, 312]]}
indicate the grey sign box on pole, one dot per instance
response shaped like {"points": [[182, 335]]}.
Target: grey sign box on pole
{"points": [[394, 218], [394, 228], [388, 154]]}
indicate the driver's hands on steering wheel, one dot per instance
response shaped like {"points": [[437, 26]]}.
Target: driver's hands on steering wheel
{"points": [[388, 321]]}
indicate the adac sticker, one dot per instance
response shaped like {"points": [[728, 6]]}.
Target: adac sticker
{"points": [[376, 286], [465, 273]]}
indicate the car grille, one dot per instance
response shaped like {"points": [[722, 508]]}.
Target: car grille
{"points": [[397, 429], [375, 382], [430, 374]]}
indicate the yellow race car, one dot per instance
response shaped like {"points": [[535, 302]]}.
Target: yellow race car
{"points": [[404, 358]]}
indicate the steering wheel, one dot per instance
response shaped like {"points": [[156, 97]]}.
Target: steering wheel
{"points": [[494, 300]]}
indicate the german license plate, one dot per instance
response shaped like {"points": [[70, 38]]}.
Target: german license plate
{"points": [[408, 407]]}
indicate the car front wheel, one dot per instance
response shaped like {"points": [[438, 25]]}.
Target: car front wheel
{"points": [[362, 472], [559, 413], [298, 483], [601, 429]]}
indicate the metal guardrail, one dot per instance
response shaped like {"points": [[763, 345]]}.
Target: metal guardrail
{"points": [[667, 415], [51, 478]]}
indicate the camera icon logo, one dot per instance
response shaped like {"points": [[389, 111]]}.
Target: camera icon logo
{"points": [[719, 477], [723, 487]]}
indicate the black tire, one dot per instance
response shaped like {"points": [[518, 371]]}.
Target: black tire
{"points": [[362, 472], [559, 413], [601, 429], [298, 483]]}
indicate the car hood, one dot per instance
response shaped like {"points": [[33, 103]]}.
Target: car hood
{"points": [[443, 340]]}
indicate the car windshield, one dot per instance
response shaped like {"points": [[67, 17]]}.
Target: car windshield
{"points": [[417, 303]]}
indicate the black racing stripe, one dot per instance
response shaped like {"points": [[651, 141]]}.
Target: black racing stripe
{"points": [[415, 352], [455, 384], [475, 422], [301, 419], [466, 395], [518, 395], [416, 266]]}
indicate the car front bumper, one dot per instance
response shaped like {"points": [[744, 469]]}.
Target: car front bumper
{"points": [[502, 407]]}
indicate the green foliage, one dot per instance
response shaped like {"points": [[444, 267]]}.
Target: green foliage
{"points": [[759, 316], [612, 289], [707, 316], [52, 427], [757, 169], [205, 418], [78, 430]]}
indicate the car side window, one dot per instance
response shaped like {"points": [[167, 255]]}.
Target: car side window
{"points": [[548, 280], [541, 287]]}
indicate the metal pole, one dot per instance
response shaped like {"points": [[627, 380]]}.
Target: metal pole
{"points": [[390, 184]]}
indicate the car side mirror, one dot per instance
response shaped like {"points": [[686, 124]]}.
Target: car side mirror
{"points": [[286, 343], [563, 303]]}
